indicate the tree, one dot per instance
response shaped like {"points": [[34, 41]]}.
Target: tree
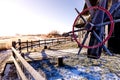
{"points": [[54, 34]]}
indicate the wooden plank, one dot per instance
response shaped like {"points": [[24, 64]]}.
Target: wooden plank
{"points": [[28, 67], [22, 75]]}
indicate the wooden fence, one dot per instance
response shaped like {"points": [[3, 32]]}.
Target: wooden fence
{"points": [[32, 72], [23, 64], [19, 45]]}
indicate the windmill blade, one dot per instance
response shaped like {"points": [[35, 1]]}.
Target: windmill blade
{"points": [[99, 40], [85, 38], [85, 21]]}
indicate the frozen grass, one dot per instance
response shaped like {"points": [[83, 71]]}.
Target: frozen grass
{"points": [[6, 42], [79, 67]]}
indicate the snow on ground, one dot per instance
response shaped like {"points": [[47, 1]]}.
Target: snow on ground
{"points": [[76, 68], [77, 72], [81, 68]]}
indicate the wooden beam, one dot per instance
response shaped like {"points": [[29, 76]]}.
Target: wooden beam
{"points": [[28, 67], [22, 75], [89, 5], [60, 61]]}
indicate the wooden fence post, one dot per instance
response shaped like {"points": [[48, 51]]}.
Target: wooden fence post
{"points": [[19, 42], [13, 45], [60, 61], [31, 44], [45, 46], [39, 43], [27, 46]]}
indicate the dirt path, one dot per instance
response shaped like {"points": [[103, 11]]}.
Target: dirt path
{"points": [[4, 56]]}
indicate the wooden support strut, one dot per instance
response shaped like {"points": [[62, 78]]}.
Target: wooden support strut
{"points": [[22, 75], [28, 67], [27, 45], [39, 43], [19, 42], [31, 44], [45, 46]]}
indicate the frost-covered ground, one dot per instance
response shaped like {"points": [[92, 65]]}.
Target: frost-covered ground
{"points": [[78, 68]]}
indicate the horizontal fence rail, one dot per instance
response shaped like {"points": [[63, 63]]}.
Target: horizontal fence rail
{"points": [[17, 48], [19, 70], [27, 66], [19, 45]]}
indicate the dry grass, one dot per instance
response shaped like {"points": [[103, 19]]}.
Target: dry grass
{"points": [[107, 62], [6, 43], [112, 63], [66, 45]]}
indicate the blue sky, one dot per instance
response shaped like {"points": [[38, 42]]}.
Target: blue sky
{"points": [[37, 16]]}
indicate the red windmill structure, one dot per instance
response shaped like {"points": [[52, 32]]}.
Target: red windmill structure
{"points": [[95, 26]]}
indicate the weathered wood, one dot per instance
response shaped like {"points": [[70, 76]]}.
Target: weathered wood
{"points": [[39, 43], [27, 46], [60, 61], [89, 5], [20, 72], [19, 42], [31, 44], [28, 67], [13, 44], [45, 47]]}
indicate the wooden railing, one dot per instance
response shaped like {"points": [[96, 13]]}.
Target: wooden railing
{"points": [[23, 64], [34, 74], [19, 45]]}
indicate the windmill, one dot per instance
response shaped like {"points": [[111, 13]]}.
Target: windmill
{"points": [[96, 24]]}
